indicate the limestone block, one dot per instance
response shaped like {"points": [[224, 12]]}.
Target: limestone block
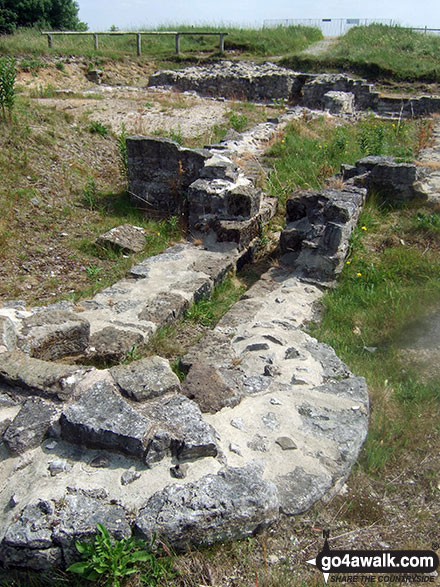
{"points": [[126, 237], [113, 344], [36, 377], [31, 425], [54, 334], [101, 418], [217, 508], [146, 379], [339, 102]]}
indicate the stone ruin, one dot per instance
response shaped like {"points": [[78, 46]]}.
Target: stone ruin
{"points": [[337, 92], [267, 421]]}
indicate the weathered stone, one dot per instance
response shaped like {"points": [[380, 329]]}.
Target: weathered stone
{"points": [[128, 477], [286, 443], [315, 89], [299, 489], [8, 336], [400, 182], [205, 385], [36, 377], [237, 80], [219, 167], [165, 308], [190, 436], [102, 419], [77, 516], [58, 466], [179, 471], [232, 504], [126, 237], [54, 334], [30, 425], [146, 378], [319, 225], [114, 344], [101, 461], [160, 171], [95, 76], [243, 201], [339, 102]]}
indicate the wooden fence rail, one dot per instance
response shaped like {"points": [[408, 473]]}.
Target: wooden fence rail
{"points": [[138, 34]]}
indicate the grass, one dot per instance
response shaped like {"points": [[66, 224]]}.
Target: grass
{"points": [[258, 42], [390, 279], [379, 51], [56, 197], [311, 151]]}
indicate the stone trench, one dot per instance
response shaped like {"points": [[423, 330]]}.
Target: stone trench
{"points": [[267, 421]]}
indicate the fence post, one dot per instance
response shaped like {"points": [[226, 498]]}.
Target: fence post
{"points": [[177, 43], [222, 43], [139, 44], [95, 38], [426, 28], [49, 41]]}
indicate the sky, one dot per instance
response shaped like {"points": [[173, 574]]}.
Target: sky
{"points": [[146, 14]]}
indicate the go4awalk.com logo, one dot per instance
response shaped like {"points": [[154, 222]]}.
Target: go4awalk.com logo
{"points": [[381, 566]]}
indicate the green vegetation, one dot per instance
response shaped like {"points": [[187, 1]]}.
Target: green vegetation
{"points": [[257, 42], [51, 14], [110, 561], [8, 72], [311, 151], [390, 280], [378, 51], [98, 128], [209, 311]]}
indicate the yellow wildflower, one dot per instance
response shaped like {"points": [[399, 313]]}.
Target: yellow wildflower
{"points": [[364, 228], [359, 274]]}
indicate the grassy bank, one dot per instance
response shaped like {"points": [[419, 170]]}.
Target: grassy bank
{"points": [[311, 151], [378, 51], [249, 42]]}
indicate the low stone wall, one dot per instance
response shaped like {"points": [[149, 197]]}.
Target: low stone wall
{"points": [[268, 420], [268, 82], [318, 228]]}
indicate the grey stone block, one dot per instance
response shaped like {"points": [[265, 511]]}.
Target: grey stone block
{"points": [[232, 504], [36, 377], [101, 418], [146, 379], [126, 237], [54, 334], [31, 425], [114, 344], [8, 336], [183, 429]]}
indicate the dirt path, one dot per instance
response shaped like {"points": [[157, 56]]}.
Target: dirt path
{"points": [[321, 46]]}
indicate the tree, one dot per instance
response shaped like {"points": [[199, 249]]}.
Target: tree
{"points": [[51, 14]]}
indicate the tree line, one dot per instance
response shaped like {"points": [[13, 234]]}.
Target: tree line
{"points": [[50, 14]]}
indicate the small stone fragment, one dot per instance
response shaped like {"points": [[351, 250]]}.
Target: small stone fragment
{"points": [[238, 423], [100, 462], [286, 443], [291, 353], [271, 371], [179, 471], [126, 237], [275, 402], [235, 448], [58, 466], [257, 346], [30, 425], [128, 477]]}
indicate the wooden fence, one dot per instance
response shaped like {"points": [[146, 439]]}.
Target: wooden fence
{"points": [[138, 34]]}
